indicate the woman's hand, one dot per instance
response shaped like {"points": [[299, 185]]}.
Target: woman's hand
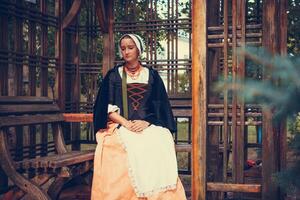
{"points": [[127, 124], [139, 125]]}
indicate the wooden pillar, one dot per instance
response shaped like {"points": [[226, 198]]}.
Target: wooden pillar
{"points": [[4, 53], [3, 79], [44, 53], [225, 102], [32, 81], [108, 40], [60, 54], [44, 75], [270, 150], [18, 48], [282, 16], [18, 76], [75, 127], [213, 61], [240, 137], [199, 101]]}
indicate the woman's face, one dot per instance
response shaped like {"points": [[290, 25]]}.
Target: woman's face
{"points": [[129, 50]]}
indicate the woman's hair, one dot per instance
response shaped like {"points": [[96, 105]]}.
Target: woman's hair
{"points": [[136, 39]]}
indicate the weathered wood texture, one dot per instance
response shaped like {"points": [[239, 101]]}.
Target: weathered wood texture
{"points": [[108, 35], [60, 54], [228, 187], [3, 78], [274, 34], [4, 54], [225, 102], [241, 151], [199, 101], [19, 167], [72, 13]]}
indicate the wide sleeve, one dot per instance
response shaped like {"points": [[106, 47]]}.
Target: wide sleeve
{"points": [[104, 97], [161, 104]]}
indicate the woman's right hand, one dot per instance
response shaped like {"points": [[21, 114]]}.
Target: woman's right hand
{"points": [[127, 124]]}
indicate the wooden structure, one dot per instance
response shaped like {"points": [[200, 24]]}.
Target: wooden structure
{"points": [[27, 164], [62, 49]]}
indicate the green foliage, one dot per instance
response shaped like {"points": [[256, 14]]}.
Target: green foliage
{"points": [[183, 82], [293, 27], [279, 91], [290, 178]]}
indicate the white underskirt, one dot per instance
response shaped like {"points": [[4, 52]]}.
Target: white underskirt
{"points": [[151, 159]]}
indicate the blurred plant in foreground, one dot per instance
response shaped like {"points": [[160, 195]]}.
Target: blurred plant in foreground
{"points": [[278, 91]]}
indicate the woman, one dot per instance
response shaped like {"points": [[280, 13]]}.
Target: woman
{"points": [[135, 155]]}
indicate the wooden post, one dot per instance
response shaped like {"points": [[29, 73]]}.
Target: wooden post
{"points": [[75, 127], [32, 79], [225, 102], [213, 61], [238, 137], [199, 101], [235, 150], [270, 149], [108, 40], [44, 75], [60, 55], [283, 51], [4, 80], [240, 140], [4, 48]]}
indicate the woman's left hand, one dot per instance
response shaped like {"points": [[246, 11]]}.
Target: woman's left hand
{"points": [[139, 125]]}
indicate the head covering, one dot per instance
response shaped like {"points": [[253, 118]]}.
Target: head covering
{"points": [[136, 39]]}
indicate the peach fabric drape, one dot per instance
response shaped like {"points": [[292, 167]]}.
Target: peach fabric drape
{"points": [[111, 179]]}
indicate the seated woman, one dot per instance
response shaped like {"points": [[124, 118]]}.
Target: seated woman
{"points": [[135, 156]]}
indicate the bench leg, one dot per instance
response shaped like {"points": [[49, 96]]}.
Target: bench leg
{"points": [[22, 182], [57, 186]]}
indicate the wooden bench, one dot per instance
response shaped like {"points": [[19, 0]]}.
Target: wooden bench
{"points": [[31, 166], [181, 108]]}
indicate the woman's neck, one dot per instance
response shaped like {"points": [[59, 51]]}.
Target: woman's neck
{"points": [[133, 67]]}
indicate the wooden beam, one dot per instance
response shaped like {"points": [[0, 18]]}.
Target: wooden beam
{"points": [[230, 187], [78, 117], [241, 139], [73, 12], [108, 40], [102, 15], [199, 101], [60, 56], [4, 47], [213, 62], [18, 47], [225, 101], [238, 136], [283, 147], [270, 150]]}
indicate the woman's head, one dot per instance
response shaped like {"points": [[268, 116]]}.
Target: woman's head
{"points": [[130, 47]]}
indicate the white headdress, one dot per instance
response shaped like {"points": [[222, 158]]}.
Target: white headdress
{"points": [[137, 40]]}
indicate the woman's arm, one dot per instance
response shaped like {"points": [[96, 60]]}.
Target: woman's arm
{"points": [[135, 125], [117, 118]]}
